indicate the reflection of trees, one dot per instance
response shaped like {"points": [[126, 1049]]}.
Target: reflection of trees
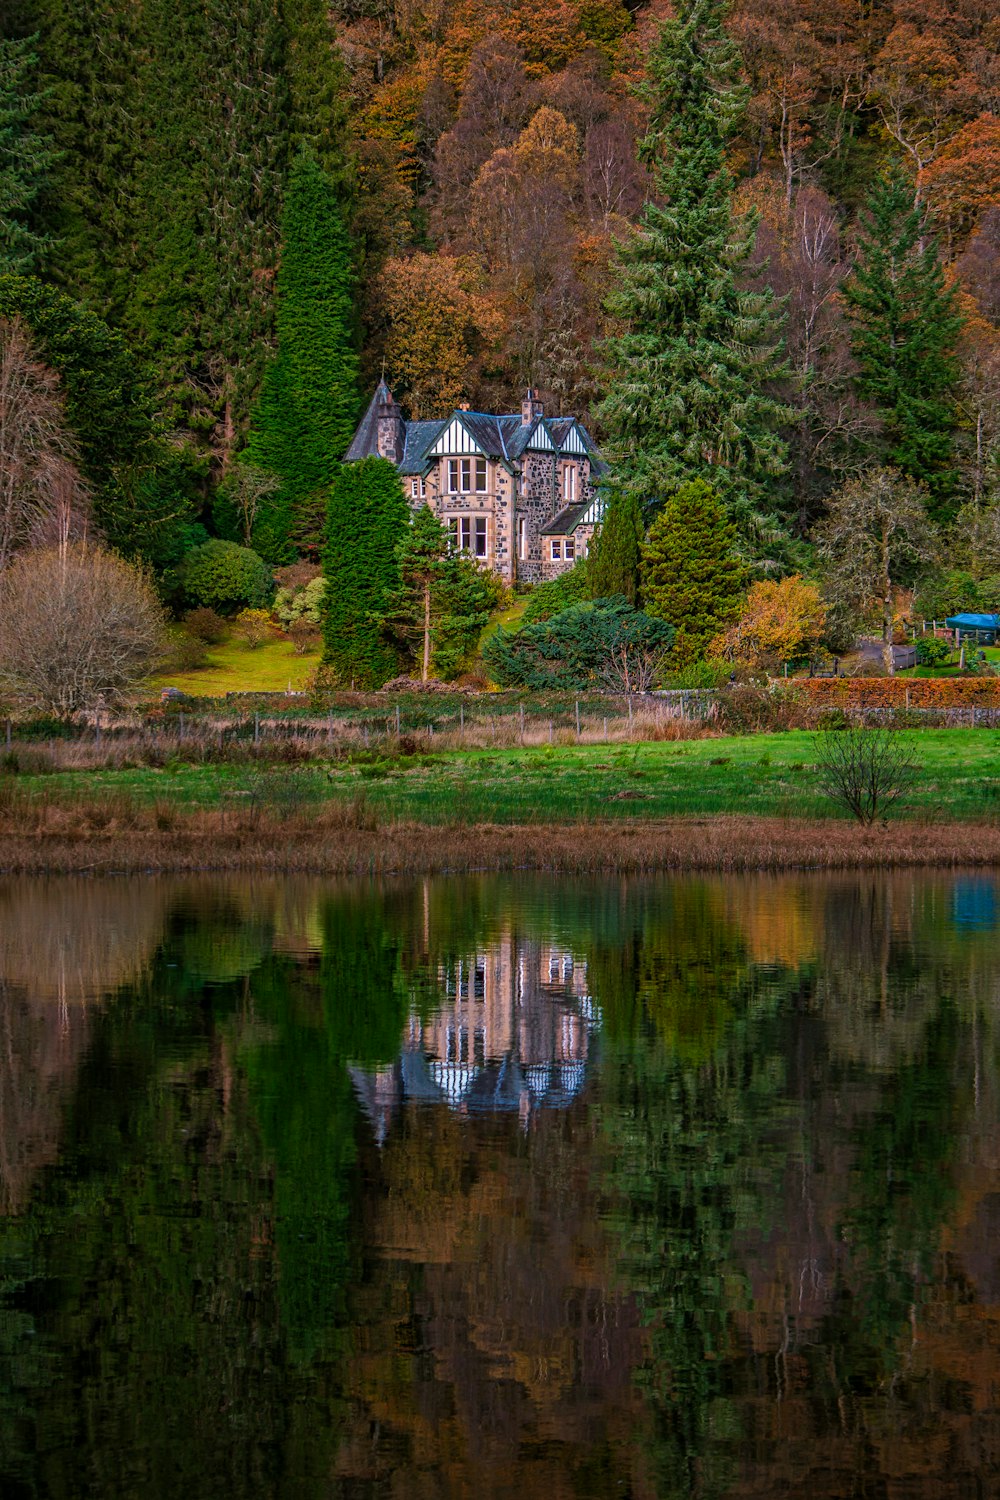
{"points": [[70, 940], [876, 996], [352, 1009], [692, 1164]]}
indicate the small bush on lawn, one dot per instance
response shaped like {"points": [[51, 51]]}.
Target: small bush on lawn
{"points": [[206, 625], [225, 577], [304, 637], [186, 654], [932, 651], [253, 626]]}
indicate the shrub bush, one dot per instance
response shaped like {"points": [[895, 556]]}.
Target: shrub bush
{"points": [[206, 625], [187, 653], [292, 604], [548, 599], [932, 651], [304, 637], [605, 643], [225, 577], [253, 626]]}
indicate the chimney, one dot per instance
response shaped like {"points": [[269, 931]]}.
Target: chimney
{"points": [[391, 427], [531, 407]]}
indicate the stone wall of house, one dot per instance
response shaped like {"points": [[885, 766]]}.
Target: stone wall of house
{"points": [[537, 501], [497, 504]]}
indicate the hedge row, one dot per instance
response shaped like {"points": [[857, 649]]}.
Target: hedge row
{"points": [[896, 692]]}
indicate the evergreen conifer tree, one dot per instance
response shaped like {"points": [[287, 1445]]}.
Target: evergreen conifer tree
{"points": [[686, 375], [26, 158], [308, 406], [366, 521], [442, 601], [317, 86], [616, 551], [691, 574], [906, 325]]}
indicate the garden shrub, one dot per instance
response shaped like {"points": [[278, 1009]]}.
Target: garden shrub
{"points": [[225, 577], [253, 627], [932, 651], [292, 604], [548, 599], [206, 625], [590, 644]]}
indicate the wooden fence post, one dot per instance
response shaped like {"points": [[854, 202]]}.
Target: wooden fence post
{"points": [[578, 718]]}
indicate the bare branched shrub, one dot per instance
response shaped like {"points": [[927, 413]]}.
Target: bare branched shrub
{"points": [[79, 628], [865, 767], [43, 499]]}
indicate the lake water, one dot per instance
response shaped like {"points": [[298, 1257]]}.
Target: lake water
{"points": [[500, 1187]]}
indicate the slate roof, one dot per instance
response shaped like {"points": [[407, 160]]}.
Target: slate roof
{"points": [[364, 443], [567, 519], [420, 439], [501, 435]]}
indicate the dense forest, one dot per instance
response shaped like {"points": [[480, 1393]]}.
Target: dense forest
{"points": [[219, 224]]}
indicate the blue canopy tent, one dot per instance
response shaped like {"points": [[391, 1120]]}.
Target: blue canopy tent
{"points": [[983, 629]]}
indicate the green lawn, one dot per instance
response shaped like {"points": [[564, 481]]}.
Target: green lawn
{"points": [[235, 668], [764, 774]]}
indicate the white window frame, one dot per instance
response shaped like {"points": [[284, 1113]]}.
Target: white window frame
{"points": [[482, 476], [469, 534], [569, 549], [569, 483], [555, 548], [418, 488], [522, 538]]}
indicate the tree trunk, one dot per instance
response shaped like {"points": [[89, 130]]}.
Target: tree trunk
{"points": [[887, 656], [426, 671]]}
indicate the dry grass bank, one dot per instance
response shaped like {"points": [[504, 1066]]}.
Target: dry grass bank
{"points": [[347, 840]]}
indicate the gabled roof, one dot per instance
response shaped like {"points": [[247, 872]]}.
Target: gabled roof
{"points": [[364, 443], [502, 436]]}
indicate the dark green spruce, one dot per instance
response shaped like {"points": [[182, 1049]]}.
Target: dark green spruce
{"points": [[27, 156], [686, 376], [906, 323]]}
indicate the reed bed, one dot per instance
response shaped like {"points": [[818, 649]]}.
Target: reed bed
{"points": [[117, 835], [283, 741]]}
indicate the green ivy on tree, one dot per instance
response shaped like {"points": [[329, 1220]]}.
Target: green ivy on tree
{"points": [[906, 323], [686, 377], [691, 574], [366, 520], [308, 406]]}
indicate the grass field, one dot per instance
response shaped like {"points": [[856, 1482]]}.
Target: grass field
{"points": [[235, 668], [760, 775]]}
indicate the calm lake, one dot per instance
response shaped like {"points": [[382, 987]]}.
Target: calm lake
{"points": [[500, 1187]]}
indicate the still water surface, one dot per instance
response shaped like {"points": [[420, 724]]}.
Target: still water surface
{"points": [[500, 1188]]}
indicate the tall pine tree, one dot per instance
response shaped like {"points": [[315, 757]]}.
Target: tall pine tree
{"points": [[309, 402], [26, 158], [686, 375], [906, 323], [367, 519]]}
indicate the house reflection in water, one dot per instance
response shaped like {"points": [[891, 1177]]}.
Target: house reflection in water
{"points": [[514, 1032]]}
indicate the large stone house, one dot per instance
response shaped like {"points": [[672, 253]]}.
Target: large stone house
{"points": [[516, 492]]}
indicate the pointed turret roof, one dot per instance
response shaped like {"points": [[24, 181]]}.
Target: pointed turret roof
{"points": [[364, 443]]}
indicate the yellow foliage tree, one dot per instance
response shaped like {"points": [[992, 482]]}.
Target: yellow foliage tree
{"points": [[437, 323], [779, 622]]}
